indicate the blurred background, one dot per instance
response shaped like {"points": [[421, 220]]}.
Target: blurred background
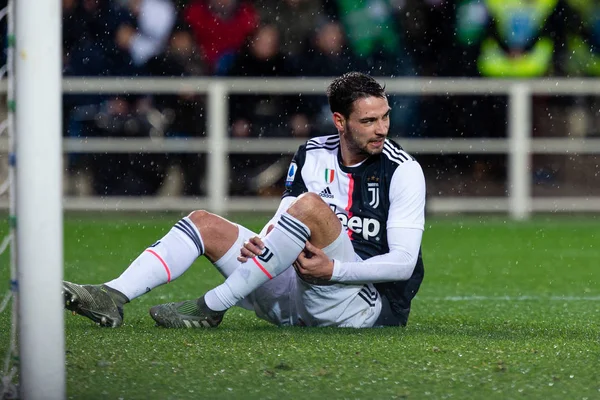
{"points": [[389, 39]]}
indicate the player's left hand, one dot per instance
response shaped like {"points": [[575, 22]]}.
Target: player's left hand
{"points": [[252, 247], [313, 265]]}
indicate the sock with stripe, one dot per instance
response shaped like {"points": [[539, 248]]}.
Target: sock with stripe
{"points": [[162, 262], [282, 246]]}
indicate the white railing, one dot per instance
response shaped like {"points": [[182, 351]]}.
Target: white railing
{"points": [[518, 145]]}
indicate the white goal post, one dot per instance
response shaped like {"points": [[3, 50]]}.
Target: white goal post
{"points": [[38, 186]]}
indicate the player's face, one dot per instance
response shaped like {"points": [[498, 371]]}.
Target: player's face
{"points": [[366, 128]]}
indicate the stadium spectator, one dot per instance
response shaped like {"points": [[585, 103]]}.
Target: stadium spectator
{"points": [[428, 33], [91, 28], [295, 20], [149, 37], [376, 38], [357, 263], [182, 55], [144, 39], [522, 40], [508, 39], [264, 115], [325, 54], [260, 115], [220, 29], [582, 113], [91, 50], [583, 38], [187, 111], [583, 47]]}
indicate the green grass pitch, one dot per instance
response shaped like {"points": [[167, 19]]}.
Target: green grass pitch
{"points": [[507, 311]]}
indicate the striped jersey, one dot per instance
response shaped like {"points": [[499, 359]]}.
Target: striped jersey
{"points": [[367, 198]]}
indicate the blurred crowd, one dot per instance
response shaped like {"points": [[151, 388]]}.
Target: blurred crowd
{"points": [[312, 38]]}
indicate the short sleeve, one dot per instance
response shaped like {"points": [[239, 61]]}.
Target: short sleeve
{"points": [[294, 184]]}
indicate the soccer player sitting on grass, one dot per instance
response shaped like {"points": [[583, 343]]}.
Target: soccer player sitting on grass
{"points": [[350, 223]]}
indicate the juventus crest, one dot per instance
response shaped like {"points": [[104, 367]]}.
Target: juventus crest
{"points": [[373, 188]]}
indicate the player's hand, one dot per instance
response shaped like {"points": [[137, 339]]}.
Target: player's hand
{"points": [[313, 265], [252, 247]]}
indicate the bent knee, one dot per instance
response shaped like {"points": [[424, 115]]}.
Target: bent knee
{"points": [[202, 218], [313, 211], [310, 201]]}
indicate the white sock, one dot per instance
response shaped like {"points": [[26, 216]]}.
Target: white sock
{"points": [[228, 262], [162, 262], [282, 246]]}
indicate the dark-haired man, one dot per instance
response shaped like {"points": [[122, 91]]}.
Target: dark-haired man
{"points": [[350, 222]]}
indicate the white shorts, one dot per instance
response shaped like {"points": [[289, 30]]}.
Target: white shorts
{"points": [[288, 300]]}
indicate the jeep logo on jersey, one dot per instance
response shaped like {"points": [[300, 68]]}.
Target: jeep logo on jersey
{"points": [[373, 188], [369, 227]]}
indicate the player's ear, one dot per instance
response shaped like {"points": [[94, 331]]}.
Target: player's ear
{"points": [[339, 121]]}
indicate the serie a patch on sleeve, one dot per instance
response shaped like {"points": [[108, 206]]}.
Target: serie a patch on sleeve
{"points": [[291, 174]]}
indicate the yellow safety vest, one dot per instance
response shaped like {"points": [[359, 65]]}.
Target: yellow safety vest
{"points": [[494, 61]]}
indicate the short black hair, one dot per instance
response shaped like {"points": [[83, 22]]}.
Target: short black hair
{"points": [[346, 89]]}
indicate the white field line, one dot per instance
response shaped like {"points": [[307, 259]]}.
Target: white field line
{"points": [[510, 298]]}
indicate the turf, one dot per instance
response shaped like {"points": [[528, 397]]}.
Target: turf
{"points": [[507, 311]]}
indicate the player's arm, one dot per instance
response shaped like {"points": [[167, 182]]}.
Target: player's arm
{"points": [[405, 227]]}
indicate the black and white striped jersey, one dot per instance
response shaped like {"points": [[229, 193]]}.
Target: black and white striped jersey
{"points": [[372, 198]]}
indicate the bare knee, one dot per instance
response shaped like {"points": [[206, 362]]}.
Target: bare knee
{"points": [[206, 221], [320, 219], [200, 217], [218, 234], [307, 206]]}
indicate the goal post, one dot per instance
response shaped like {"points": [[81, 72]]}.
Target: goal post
{"points": [[39, 223]]}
